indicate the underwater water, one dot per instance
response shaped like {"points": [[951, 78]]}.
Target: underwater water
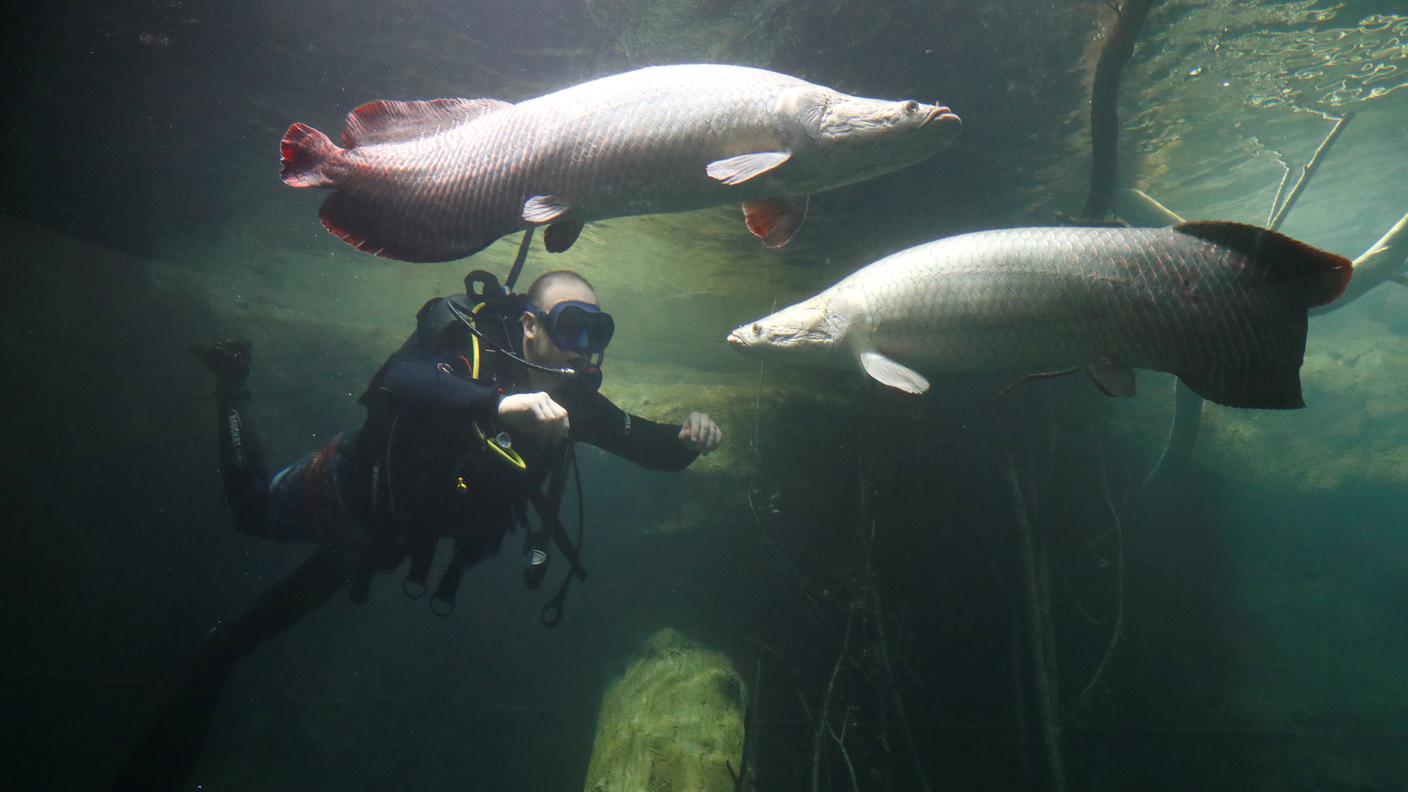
{"points": [[872, 591]]}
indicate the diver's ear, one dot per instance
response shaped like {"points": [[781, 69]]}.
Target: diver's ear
{"points": [[530, 325]]}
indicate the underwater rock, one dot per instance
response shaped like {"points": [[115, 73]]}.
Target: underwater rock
{"points": [[673, 722]]}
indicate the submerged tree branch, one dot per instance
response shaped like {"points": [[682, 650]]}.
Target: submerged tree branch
{"points": [[1117, 630], [1104, 105], [1385, 260], [1278, 213], [1050, 717], [822, 723]]}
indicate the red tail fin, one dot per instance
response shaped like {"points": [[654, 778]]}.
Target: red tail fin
{"points": [[304, 154]]}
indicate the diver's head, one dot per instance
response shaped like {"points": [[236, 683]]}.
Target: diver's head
{"points": [[563, 324], [866, 137], [812, 333]]}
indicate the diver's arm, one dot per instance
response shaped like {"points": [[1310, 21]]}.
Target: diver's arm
{"points": [[428, 386], [651, 445]]}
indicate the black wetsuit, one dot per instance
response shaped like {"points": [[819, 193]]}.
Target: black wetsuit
{"points": [[417, 471]]}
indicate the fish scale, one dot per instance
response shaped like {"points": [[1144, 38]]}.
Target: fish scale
{"points": [[1221, 305]]}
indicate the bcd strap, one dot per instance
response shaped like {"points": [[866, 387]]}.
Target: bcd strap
{"points": [[547, 506], [422, 548], [466, 555], [382, 554]]}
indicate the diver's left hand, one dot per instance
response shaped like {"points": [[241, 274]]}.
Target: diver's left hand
{"points": [[700, 433]]}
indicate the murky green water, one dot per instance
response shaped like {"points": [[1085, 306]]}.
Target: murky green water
{"points": [[857, 559]]}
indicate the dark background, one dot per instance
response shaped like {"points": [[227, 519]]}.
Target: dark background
{"points": [[141, 204]]}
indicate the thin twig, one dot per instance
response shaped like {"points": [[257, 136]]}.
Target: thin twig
{"points": [[883, 650], [845, 754], [1118, 628], [1051, 726], [1280, 191], [1279, 215], [822, 722]]}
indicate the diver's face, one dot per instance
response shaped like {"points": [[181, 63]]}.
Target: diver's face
{"points": [[537, 345]]}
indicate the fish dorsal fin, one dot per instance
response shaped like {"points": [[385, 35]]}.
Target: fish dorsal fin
{"points": [[1323, 274], [896, 375], [775, 220], [391, 121], [736, 170]]}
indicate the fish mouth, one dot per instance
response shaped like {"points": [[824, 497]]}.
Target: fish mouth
{"points": [[735, 340], [943, 116]]}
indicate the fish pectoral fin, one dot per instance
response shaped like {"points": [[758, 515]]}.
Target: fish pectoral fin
{"points": [[562, 234], [544, 209], [1111, 376], [888, 372], [775, 220], [736, 170]]}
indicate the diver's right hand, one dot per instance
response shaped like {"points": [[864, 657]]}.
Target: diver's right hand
{"points": [[535, 414]]}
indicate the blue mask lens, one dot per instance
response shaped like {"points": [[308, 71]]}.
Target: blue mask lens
{"points": [[579, 327]]}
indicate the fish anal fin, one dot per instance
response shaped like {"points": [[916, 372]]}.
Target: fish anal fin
{"points": [[562, 234], [363, 225], [739, 169], [544, 209], [336, 225], [392, 121], [775, 220], [1111, 376], [895, 375], [1322, 275]]}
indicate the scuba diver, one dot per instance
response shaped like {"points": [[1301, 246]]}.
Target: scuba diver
{"points": [[468, 423]]}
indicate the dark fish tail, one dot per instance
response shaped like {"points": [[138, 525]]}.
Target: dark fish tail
{"points": [[1318, 275], [1281, 280], [304, 157]]}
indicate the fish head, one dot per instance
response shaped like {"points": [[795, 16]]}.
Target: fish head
{"points": [[860, 138], [811, 333]]}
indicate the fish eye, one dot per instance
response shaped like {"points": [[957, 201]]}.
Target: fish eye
{"points": [[911, 106], [757, 329]]}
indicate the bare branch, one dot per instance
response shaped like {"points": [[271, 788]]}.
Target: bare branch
{"points": [[1384, 261], [1051, 726], [1278, 215], [1118, 628]]}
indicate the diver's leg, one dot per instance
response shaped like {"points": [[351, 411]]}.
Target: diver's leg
{"points": [[241, 448], [168, 753]]}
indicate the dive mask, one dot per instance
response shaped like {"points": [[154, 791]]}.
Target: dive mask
{"points": [[576, 326]]}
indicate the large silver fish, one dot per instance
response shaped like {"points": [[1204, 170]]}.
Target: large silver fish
{"points": [[442, 179], [1221, 305]]}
